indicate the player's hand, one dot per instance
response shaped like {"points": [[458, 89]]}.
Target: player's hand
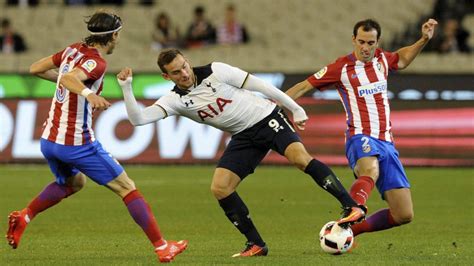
{"points": [[98, 102], [428, 28], [300, 124], [124, 77], [300, 118]]}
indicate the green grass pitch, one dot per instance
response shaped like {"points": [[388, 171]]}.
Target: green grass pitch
{"points": [[93, 227]]}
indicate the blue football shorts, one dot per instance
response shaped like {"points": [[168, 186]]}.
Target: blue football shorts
{"points": [[90, 159], [391, 172], [247, 149]]}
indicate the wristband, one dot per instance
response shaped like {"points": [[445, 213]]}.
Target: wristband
{"points": [[85, 92]]}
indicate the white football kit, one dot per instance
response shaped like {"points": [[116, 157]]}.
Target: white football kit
{"points": [[216, 99]]}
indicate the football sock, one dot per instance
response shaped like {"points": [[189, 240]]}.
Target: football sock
{"points": [[141, 213], [381, 220], [238, 214], [361, 188], [51, 195], [326, 179]]}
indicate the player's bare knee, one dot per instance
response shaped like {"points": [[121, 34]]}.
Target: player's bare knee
{"points": [[406, 218], [403, 218], [128, 184], [301, 165], [77, 182], [297, 155], [372, 171], [219, 191], [122, 185], [301, 161]]}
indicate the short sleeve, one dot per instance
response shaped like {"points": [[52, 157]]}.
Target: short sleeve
{"points": [[392, 60], [93, 67], [166, 102], [325, 77], [228, 74], [57, 58]]}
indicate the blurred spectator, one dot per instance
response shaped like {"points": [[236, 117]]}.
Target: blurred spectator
{"points": [[200, 32], [10, 41], [446, 9], [231, 31], [147, 2], [165, 35], [110, 2], [452, 38], [22, 2], [93, 2], [77, 2]]}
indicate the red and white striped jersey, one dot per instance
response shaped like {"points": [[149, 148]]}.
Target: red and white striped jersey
{"points": [[363, 91], [70, 116]]}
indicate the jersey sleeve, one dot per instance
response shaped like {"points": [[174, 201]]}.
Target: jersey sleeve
{"points": [[166, 103], [392, 60], [93, 67], [325, 77], [57, 58], [228, 74]]}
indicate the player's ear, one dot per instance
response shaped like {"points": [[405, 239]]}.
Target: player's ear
{"points": [[115, 35], [165, 76]]}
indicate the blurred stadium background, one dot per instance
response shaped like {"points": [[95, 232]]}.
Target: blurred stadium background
{"points": [[432, 101], [432, 116]]}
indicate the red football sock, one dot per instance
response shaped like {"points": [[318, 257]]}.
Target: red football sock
{"points": [[141, 213], [360, 190], [51, 195], [360, 228], [380, 220]]}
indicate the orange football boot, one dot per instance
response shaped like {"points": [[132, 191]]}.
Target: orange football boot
{"points": [[352, 215], [17, 222], [170, 249], [252, 250]]}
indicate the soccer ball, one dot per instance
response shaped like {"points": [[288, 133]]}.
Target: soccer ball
{"points": [[335, 239]]}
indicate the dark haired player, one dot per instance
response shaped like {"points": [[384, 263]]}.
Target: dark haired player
{"points": [[221, 96], [68, 142], [361, 79]]}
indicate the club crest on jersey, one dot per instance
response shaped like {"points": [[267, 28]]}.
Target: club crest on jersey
{"points": [[60, 93], [211, 111], [380, 67], [366, 148], [321, 73], [209, 85], [60, 90], [89, 65]]}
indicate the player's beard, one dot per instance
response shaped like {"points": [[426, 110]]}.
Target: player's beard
{"points": [[111, 48], [367, 57]]}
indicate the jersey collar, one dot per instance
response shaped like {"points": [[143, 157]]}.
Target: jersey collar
{"points": [[179, 91]]}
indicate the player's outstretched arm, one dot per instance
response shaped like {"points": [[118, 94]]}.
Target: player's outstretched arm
{"points": [[136, 115], [299, 89], [45, 69], [256, 84], [407, 54]]}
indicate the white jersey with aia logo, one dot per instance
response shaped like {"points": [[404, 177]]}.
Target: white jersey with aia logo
{"points": [[70, 116], [363, 91], [217, 99]]}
